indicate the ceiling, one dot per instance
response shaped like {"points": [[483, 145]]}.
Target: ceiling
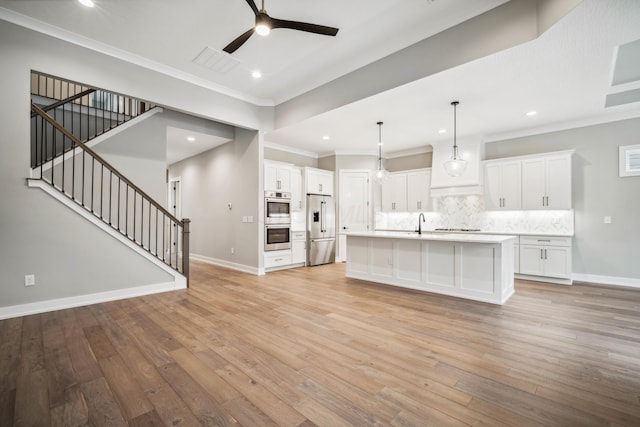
{"points": [[566, 74]]}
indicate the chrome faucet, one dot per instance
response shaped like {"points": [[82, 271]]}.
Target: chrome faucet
{"points": [[421, 216]]}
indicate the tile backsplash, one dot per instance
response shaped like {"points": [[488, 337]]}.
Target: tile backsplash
{"points": [[468, 212]]}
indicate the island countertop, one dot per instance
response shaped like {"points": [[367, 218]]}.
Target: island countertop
{"points": [[439, 236]]}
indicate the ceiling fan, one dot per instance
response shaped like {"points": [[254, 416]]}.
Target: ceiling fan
{"points": [[265, 23]]}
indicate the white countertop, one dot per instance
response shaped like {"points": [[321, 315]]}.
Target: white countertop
{"points": [[473, 237], [498, 233]]}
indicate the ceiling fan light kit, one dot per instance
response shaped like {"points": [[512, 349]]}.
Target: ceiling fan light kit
{"points": [[265, 23]]}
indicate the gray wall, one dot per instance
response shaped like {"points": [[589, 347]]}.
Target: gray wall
{"points": [[38, 235], [287, 157], [140, 153], [599, 249], [414, 161], [210, 181]]}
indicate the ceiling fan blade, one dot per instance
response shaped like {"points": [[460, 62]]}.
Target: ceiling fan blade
{"points": [[253, 6], [304, 26], [239, 41]]}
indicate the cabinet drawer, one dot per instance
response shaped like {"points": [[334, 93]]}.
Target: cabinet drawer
{"points": [[277, 258], [545, 240], [298, 235]]}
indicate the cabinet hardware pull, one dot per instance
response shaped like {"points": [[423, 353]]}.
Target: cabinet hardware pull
{"points": [[539, 240]]}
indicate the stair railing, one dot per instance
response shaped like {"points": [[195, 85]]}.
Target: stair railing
{"points": [[86, 178], [85, 111]]}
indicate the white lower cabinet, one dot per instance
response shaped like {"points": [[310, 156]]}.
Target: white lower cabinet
{"points": [[476, 270], [298, 247], [274, 259], [546, 256]]}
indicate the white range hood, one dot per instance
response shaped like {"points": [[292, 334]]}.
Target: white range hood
{"points": [[470, 182]]}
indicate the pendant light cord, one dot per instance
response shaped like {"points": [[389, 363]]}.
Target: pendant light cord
{"points": [[455, 145], [380, 145]]}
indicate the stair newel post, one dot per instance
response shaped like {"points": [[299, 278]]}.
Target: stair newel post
{"points": [[185, 248]]}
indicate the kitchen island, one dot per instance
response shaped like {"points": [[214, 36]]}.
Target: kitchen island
{"points": [[473, 266]]}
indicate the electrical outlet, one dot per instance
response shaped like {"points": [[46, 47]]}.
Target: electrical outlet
{"points": [[607, 220], [233, 251], [30, 280]]}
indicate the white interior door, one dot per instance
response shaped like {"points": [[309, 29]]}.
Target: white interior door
{"points": [[354, 199]]}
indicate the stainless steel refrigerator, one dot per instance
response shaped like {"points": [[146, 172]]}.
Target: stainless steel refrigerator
{"points": [[321, 229]]}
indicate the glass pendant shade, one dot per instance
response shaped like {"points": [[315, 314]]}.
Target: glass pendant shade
{"points": [[456, 165], [380, 175]]}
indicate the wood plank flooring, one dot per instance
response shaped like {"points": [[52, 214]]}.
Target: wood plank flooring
{"points": [[307, 347]]}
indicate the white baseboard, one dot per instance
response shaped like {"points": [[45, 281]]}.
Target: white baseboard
{"points": [[80, 300], [544, 279], [228, 264], [607, 280]]}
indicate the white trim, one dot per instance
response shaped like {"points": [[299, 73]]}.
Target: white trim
{"points": [[544, 279], [71, 37], [607, 280], [81, 300], [228, 264], [47, 188]]}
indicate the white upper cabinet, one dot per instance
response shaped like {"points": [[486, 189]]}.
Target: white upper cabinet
{"points": [[277, 176], [503, 185], [408, 191], [393, 193], [319, 181], [419, 191], [546, 182]]}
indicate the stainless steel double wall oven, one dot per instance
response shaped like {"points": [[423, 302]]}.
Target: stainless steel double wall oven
{"points": [[277, 220]]}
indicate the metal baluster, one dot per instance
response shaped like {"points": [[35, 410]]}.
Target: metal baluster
{"points": [[110, 191], [134, 214], [126, 211]]}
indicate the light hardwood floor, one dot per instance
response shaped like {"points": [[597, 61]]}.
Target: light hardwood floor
{"points": [[309, 347]]}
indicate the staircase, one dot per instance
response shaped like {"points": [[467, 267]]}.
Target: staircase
{"points": [[65, 116]]}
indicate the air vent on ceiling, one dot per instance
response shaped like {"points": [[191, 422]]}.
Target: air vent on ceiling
{"points": [[216, 60]]}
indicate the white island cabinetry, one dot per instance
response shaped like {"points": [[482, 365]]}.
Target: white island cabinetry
{"points": [[477, 267]]}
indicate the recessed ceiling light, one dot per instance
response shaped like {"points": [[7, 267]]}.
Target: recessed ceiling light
{"points": [[531, 113], [190, 138], [256, 74], [442, 131], [326, 137], [87, 3]]}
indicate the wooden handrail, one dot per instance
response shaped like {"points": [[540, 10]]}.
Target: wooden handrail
{"points": [[64, 101], [86, 148]]}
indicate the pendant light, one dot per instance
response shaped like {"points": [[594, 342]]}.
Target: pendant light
{"points": [[380, 175], [456, 166]]}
